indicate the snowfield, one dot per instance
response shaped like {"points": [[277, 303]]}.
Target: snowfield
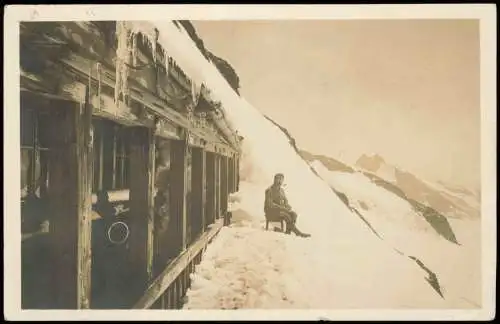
{"points": [[344, 264], [339, 267], [458, 267]]}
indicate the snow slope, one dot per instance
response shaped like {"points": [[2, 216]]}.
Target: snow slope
{"points": [[458, 267], [343, 264]]}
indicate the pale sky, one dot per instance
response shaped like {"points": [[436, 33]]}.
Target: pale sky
{"points": [[405, 89]]}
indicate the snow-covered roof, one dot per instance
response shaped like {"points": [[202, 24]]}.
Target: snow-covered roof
{"points": [[178, 45]]}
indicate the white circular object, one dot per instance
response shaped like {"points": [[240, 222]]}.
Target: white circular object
{"points": [[126, 236]]}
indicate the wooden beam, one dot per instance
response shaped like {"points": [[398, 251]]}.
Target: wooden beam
{"points": [[70, 204], [178, 265], [79, 66], [142, 160], [212, 141]]}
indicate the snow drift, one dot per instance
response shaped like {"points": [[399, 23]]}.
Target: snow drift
{"points": [[343, 264]]}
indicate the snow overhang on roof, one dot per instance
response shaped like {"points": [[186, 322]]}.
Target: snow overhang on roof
{"points": [[178, 45]]}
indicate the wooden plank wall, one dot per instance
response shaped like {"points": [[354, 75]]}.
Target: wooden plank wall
{"points": [[142, 159], [70, 203]]}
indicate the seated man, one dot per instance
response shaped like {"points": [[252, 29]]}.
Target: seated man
{"points": [[276, 203]]}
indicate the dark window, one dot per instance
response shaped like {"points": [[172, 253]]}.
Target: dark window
{"points": [[34, 169], [111, 156], [27, 127], [26, 166], [122, 160], [34, 153]]}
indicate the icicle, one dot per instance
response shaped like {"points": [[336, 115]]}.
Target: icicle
{"points": [[134, 49], [120, 31], [154, 43], [145, 39], [123, 58], [193, 91], [98, 68], [167, 63], [151, 39]]}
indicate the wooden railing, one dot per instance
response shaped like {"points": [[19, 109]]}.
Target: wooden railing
{"points": [[168, 290]]}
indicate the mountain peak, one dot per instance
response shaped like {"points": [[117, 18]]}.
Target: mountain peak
{"points": [[370, 162]]}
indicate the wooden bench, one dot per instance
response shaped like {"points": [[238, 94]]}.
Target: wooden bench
{"points": [[275, 217]]}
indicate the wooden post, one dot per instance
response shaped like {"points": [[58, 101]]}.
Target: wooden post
{"points": [[231, 175], [163, 240], [238, 173], [235, 180], [188, 231], [98, 155], [217, 187], [142, 159], [235, 173], [178, 194], [224, 184], [198, 191], [210, 194], [203, 189], [70, 204]]}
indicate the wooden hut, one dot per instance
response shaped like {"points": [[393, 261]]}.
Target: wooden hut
{"points": [[121, 193]]}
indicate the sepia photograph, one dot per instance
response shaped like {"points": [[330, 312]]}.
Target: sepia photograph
{"points": [[250, 162]]}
